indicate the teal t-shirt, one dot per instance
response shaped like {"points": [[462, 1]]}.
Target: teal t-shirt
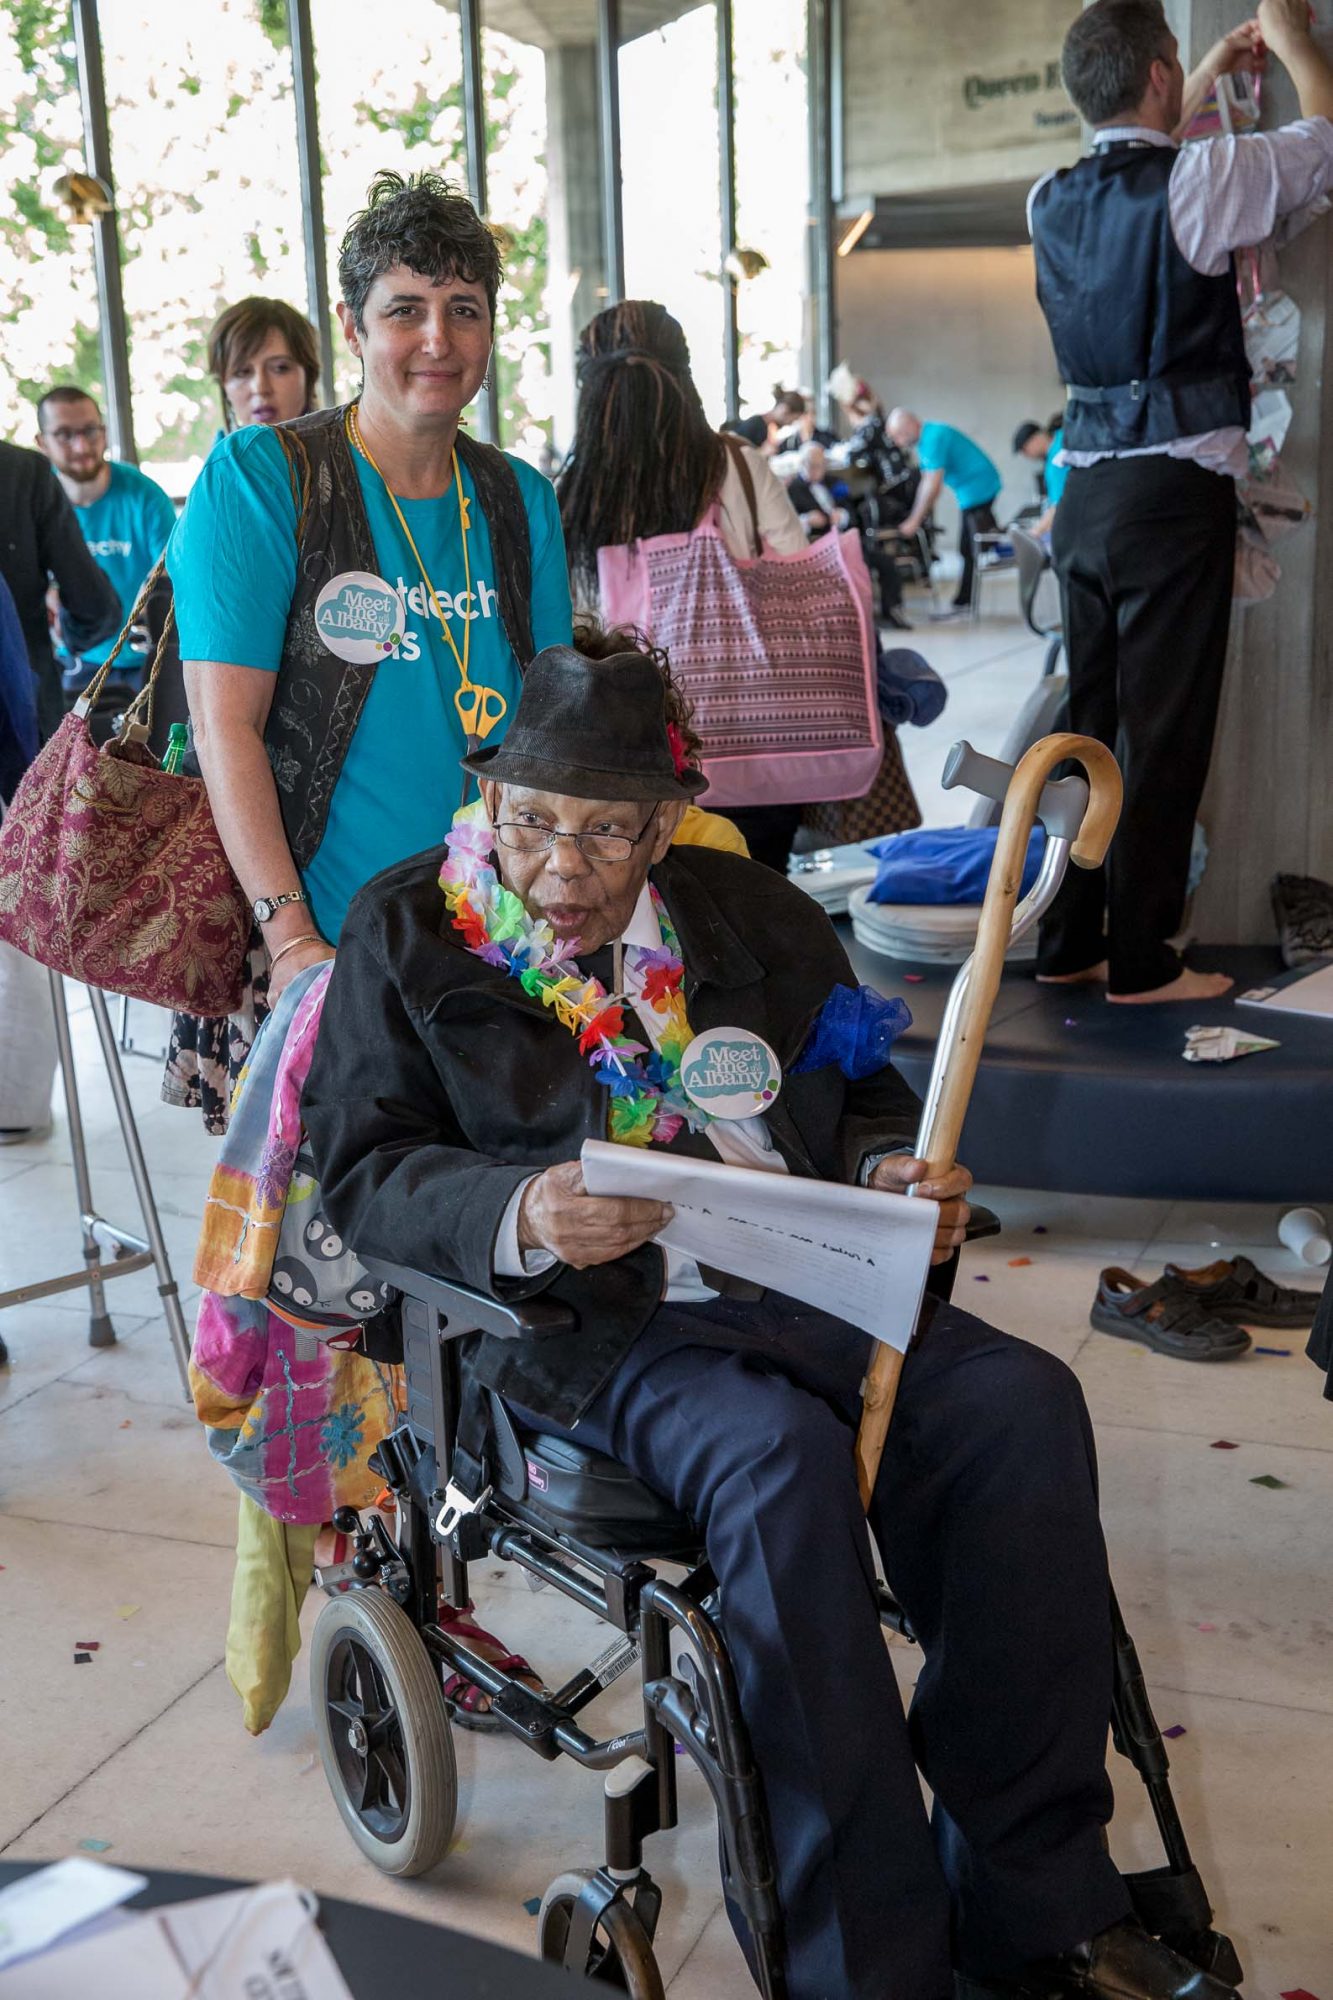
{"points": [[233, 568], [1053, 475], [971, 477], [126, 531]]}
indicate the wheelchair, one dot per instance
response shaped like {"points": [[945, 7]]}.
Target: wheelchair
{"points": [[469, 1484]]}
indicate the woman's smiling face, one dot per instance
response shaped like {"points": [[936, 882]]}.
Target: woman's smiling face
{"points": [[424, 345]]}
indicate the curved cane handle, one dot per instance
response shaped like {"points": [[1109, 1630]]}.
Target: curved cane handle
{"points": [[1106, 789], [939, 1146]]}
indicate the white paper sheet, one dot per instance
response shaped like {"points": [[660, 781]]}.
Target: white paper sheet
{"points": [[859, 1254], [44, 1906], [249, 1944], [1311, 995]]}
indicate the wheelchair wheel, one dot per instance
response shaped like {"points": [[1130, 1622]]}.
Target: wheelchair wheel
{"points": [[384, 1737], [620, 1953]]}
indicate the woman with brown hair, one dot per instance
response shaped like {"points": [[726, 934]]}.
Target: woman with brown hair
{"points": [[646, 461], [264, 357]]}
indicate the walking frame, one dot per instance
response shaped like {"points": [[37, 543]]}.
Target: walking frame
{"points": [[127, 1252]]}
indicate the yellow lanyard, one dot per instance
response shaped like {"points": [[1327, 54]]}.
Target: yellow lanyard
{"points": [[479, 708]]}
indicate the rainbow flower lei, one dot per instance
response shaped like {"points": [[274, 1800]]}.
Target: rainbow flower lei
{"points": [[647, 1101]]}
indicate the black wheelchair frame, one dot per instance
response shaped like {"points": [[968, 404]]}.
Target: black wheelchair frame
{"points": [[380, 1658]]}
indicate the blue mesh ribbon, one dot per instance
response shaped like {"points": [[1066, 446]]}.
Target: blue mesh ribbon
{"points": [[856, 1028]]}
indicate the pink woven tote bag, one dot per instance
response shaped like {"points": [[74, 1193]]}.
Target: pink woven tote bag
{"points": [[777, 654]]}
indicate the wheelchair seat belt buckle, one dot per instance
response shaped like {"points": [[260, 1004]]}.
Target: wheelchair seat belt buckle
{"points": [[456, 1507]]}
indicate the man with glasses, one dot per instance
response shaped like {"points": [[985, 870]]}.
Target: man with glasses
{"points": [[125, 516]]}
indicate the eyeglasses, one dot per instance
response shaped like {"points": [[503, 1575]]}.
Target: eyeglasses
{"points": [[88, 435], [523, 839]]}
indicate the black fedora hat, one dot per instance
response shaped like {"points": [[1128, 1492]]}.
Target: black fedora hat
{"points": [[590, 729]]}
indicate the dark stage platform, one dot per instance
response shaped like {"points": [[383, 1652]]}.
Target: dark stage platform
{"points": [[1082, 1097]]}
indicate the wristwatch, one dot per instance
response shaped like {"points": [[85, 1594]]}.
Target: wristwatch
{"points": [[265, 906]]}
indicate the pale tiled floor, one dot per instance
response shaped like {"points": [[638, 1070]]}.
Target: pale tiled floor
{"points": [[108, 1500]]}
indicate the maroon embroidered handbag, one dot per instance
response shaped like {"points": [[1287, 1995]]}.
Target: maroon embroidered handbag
{"points": [[112, 870]]}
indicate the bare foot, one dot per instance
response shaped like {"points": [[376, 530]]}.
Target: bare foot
{"points": [[1186, 986], [1094, 975]]}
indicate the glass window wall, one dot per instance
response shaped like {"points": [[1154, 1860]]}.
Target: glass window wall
{"points": [[49, 316], [772, 194], [203, 145], [392, 100], [671, 174]]}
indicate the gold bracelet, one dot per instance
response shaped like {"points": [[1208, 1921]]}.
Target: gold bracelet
{"points": [[308, 937]]}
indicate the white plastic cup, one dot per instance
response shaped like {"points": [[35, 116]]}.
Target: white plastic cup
{"points": [[1304, 1232]]}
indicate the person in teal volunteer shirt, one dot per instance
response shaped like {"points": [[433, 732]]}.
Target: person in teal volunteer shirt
{"points": [[125, 516], [1044, 446], [419, 272], [948, 457]]}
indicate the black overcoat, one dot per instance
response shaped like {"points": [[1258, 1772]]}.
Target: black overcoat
{"points": [[438, 1085]]}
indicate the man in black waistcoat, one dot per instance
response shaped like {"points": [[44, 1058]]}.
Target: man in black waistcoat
{"points": [[1135, 274], [447, 1106]]}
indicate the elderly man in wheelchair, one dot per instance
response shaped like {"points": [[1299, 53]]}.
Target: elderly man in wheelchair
{"points": [[580, 1400]]}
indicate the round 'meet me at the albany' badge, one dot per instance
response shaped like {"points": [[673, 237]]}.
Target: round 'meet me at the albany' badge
{"points": [[359, 617], [730, 1073]]}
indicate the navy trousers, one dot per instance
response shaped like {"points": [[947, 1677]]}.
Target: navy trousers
{"points": [[985, 1513]]}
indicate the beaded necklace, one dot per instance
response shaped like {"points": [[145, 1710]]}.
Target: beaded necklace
{"points": [[647, 1101]]}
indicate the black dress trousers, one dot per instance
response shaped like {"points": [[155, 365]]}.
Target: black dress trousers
{"points": [[985, 1513], [1144, 548]]}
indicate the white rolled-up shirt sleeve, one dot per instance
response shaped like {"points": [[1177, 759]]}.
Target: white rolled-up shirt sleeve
{"points": [[1229, 193], [509, 1260]]}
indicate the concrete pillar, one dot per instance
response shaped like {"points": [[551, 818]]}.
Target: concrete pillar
{"points": [[1267, 809], [576, 284]]}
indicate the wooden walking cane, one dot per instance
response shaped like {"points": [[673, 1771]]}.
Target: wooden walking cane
{"points": [[1027, 797]]}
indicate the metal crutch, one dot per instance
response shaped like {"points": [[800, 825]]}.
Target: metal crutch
{"points": [[128, 1252], [1080, 817]]}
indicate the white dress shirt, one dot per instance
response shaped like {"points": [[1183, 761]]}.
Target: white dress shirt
{"points": [[1227, 194], [741, 1142]]}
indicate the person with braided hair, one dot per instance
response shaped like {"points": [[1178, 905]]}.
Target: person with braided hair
{"points": [[646, 461]]}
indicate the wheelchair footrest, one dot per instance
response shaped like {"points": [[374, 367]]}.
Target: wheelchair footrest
{"points": [[1171, 1903]]}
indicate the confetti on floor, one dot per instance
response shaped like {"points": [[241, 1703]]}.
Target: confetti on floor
{"points": [[1208, 1628], [532, 1905], [1040, 1229], [126, 1610], [83, 1659], [1223, 1444], [1272, 1350], [87, 1645], [1267, 1479], [128, 1424], [1298, 1993], [1176, 1729], [914, 978], [95, 1846], [980, 1278], [1017, 1263], [1070, 1022]]}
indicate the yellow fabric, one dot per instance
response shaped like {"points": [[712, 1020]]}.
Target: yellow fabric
{"points": [[705, 829], [697, 829], [274, 1565]]}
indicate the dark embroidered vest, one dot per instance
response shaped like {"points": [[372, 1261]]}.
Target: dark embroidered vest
{"points": [[318, 700], [1149, 348]]}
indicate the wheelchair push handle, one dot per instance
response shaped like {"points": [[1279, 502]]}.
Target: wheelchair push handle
{"points": [[968, 1015]]}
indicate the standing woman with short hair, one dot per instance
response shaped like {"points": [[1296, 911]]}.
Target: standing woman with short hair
{"points": [[320, 772]]}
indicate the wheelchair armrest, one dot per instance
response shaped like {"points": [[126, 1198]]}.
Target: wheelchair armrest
{"points": [[468, 1311]]}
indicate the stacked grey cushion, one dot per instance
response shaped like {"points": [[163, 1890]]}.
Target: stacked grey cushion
{"points": [[924, 933]]}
